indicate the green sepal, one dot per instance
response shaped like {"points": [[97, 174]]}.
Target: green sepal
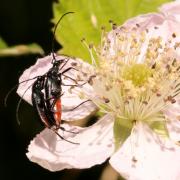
{"points": [[121, 130], [160, 128]]}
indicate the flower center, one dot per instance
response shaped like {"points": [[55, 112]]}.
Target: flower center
{"points": [[137, 79], [137, 73]]}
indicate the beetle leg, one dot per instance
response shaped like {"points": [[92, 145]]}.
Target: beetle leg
{"points": [[72, 109], [63, 129], [70, 78], [54, 130], [64, 64], [68, 69]]}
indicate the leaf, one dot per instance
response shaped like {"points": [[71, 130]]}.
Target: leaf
{"points": [[18, 50], [2, 43], [88, 18]]}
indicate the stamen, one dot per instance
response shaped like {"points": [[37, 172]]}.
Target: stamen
{"points": [[136, 77], [90, 47]]}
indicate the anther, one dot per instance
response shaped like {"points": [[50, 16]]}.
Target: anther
{"points": [[91, 46], [108, 87], [134, 121], [110, 21], [106, 100], [103, 28], [74, 64], [114, 26], [137, 25], [83, 39], [173, 35], [153, 66], [134, 159], [145, 102], [170, 99]]}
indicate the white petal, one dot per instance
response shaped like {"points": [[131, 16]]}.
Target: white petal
{"points": [[69, 100], [55, 154], [156, 160]]}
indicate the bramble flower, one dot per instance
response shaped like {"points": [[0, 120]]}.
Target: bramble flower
{"points": [[135, 82]]}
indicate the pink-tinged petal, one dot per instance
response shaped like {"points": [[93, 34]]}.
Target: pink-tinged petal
{"points": [[173, 115], [82, 111], [95, 146], [74, 107], [69, 100], [41, 66], [144, 21], [144, 156], [163, 24], [172, 8]]}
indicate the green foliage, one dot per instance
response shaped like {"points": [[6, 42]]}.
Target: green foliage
{"points": [[90, 16], [2, 43], [18, 50]]}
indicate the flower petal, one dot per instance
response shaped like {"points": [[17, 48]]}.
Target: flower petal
{"points": [[81, 112], [171, 8], [95, 146], [40, 67], [68, 99], [163, 24], [148, 159]]}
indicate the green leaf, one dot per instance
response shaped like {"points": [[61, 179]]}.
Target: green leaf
{"points": [[2, 43], [88, 18], [18, 50], [121, 132]]}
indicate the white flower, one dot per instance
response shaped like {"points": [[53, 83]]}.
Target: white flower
{"points": [[135, 82]]}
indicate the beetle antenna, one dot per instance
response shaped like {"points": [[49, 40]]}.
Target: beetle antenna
{"points": [[13, 88], [54, 32], [19, 103], [7, 95]]}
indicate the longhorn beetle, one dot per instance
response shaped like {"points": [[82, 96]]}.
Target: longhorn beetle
{"points": [[48, 103]]}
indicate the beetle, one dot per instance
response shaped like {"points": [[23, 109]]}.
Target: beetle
{"points": [[46, 93]]}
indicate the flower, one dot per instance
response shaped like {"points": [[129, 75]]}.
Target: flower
{"points": [[135, 82]]}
